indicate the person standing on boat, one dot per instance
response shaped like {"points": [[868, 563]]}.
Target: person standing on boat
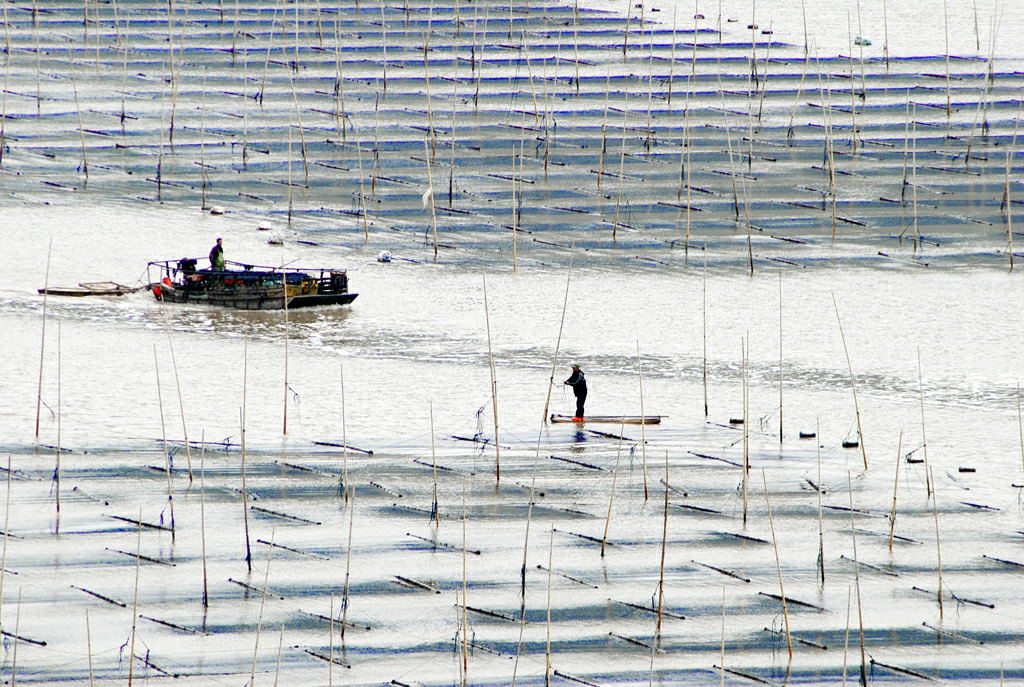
{"points": [[217, 256], [579, 389]]}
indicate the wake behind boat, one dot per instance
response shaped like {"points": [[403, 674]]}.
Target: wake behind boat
{"points": [[250, 287]]}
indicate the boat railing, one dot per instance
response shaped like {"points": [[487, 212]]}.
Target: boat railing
{"points": [[328, 280]]}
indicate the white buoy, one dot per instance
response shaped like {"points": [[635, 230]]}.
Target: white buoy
{"points": [[217, 210]]}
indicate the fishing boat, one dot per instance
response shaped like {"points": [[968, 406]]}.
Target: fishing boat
{"points": [[611, 419], [248, 287]]}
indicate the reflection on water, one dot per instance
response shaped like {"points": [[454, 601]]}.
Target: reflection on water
{"points": [[262, 324]]}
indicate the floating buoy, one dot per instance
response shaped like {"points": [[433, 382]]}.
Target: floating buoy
{"points": [[735, 421], [263, 227], [860, 40], [914, 460], [217, 210], [808, 435], [850, 443], [383, 256], [275, 240], [751, 26], [965, 469], [698, 16]]}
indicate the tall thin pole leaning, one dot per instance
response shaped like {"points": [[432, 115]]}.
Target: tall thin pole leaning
{"points": [[42, 340], [494, 388], [558, 341], [853, 384]]}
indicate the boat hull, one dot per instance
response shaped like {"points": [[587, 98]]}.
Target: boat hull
{"points": [[256, 300]]}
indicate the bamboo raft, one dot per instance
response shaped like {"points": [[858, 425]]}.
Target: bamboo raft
{"points": [[96, 288], [610, 419]]}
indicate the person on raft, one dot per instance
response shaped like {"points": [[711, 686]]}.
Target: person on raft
{"points": [[579, 389], [217, 256]]}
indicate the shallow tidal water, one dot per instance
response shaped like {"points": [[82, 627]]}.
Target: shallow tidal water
{"points": [[413, 349], [407, 559]]}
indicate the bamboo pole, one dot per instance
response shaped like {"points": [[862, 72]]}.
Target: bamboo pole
{"points": [[853, 385], [949, 103], [938, 546], [17, 629], [895, 483], [429, 195], [853, 96], [494, 388], [846, 634], [88, 647], [885, 29], [1006, 185], [547, 644], [163, 440], [202, 521], [1020, 431], [287, 335], [611, 493], [704, 328], [913, 173], [344, 438], [173, 73], [298, 118], [202, 147], [558, 341], [42, 340], [780, 360], [7, 82], [330, 642], [346, 595], [622, 168], [664, 546], [643, 434], [56, 471], [778, 565], [732, 164], [181, 402], [135, 600], [291, 187], [81, 135], [604, 124], [721, 660], [245, 493], [821, 523], [7, 528], [259, 621], [434, 506], [924, 438], [465, 621], [856, 577], [746, 424]]}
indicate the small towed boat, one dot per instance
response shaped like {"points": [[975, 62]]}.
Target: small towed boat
{"points": [[249, 287], [89, 288], [611, 419]]}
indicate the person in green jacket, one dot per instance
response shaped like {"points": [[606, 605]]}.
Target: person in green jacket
{"points": [[217, 256]]}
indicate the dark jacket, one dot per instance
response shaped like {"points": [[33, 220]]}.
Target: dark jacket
{"points": [[217, 257], [578, 383]]}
